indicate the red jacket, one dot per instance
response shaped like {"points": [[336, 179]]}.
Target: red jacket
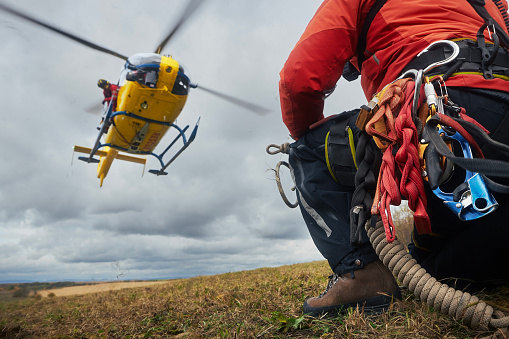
{"points": [[397, 34], [111, 93]]}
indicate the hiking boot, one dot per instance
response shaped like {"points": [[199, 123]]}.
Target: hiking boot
{"points": [[371, 288]]}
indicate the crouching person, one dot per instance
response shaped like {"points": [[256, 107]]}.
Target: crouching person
{"points": [[382, 39]]}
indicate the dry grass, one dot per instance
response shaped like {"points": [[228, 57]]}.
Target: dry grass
{"points": [[96, 288], [263, 303]]}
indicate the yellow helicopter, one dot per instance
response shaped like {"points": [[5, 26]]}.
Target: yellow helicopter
{"points": [[153, 90]]}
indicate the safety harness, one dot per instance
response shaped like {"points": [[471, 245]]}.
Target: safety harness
{"points": [[469, 58], [415, 141], [406, 132], [414, 128]]}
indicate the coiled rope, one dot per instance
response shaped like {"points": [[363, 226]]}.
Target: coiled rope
{"points": [[460, 305]]}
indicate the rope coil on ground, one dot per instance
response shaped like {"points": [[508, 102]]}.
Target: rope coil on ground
{"points": [[460, 305]]}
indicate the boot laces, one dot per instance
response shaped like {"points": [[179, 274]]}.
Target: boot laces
{"points": [[332, 280]]}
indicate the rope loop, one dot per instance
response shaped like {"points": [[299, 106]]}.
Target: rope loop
{"points": [[280, 187], [283, 148]]}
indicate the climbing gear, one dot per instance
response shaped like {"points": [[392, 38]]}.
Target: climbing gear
{"points": [[393, 125], [471, 199], [340, 149], [351, 73], [469, 59], [488, 168], [502, 10], [394, 120], [368, 158], [444, 61], [372, 289], [460, 305], [496, 30], [284, 148], [449, 301], [361, 44]]}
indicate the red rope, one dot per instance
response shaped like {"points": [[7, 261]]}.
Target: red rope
{"points": [[400, 171], [407, 158]]}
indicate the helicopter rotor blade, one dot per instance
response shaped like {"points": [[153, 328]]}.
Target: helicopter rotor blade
{"points": [[191, 7], [247, 105], [24, 16]]}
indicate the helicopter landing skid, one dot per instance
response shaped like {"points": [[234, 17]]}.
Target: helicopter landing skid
{"points": [[182, 149], [90, 160]]}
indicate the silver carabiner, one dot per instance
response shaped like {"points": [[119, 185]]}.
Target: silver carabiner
{"points": [[417, 75], [454, 55], [410, 72]]}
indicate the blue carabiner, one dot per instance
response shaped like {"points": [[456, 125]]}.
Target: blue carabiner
{"points": [[476, 201]]}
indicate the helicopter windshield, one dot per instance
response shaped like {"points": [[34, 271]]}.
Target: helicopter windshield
{"points": [[143, 64], [144, 58], [137, 60]]}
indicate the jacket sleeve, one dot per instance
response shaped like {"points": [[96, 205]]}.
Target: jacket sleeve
{"points": [[316, 64]]}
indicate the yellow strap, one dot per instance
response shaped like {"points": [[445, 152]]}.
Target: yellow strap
{"points": [[352, 150], [503, 77], [327, 157], [352, 145]]}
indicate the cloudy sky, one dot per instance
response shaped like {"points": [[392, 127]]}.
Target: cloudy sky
{"points": [[218, 210]]}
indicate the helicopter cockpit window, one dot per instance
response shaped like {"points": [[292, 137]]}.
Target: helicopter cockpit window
{"points": [[181, 86]]}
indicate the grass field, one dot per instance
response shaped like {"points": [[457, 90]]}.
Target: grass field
{"points": [[262, 303], [97, 288]]}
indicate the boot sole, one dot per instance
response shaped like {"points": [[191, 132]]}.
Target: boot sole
{"points": [[371, 306]]}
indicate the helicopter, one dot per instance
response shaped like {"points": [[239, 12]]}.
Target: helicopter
{"points": [[153, 89]]}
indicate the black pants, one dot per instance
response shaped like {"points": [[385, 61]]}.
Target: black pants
{"points": [[325, 204], [474, 254]]}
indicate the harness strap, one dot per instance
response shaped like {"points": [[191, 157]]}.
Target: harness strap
{"points": [[350, 73], [487, 167], [361, 44], [502, 10], [469, 59], [478, 6]]}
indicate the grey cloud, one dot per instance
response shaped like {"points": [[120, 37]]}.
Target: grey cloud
{"points": [[217, 210]]}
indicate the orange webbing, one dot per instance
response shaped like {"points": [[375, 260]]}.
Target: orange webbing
{"points": [[381, 125]]}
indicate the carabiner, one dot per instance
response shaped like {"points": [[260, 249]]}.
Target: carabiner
{"points": [[476, 199], [417, 75], [454, 55]]}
